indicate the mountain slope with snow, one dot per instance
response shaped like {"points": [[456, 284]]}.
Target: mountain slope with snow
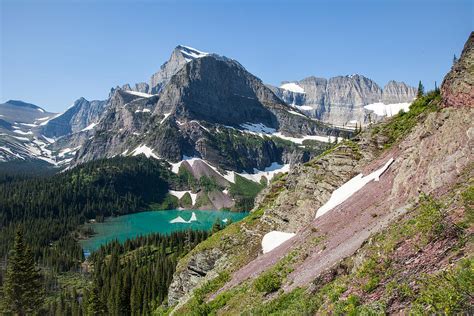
{"points": [[346, 100]]}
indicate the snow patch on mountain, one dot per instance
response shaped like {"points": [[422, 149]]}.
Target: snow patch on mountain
{"points": [[139, 94], [262, 130], [145, 150], [268, 172], [350, 187], [142, 111], [180, 194], [293, 87], [389, 110], [191, 53], [274, 239], [90, 127]]}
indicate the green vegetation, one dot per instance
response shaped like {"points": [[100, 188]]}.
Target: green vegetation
{"points": [[402, 123], [244, 192], [448, 292], [267, 282], [52, 208], [133, 278], [23, 291]]}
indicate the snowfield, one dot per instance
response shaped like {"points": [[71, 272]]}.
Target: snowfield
{"points": [[387, 109], [268, 172], [293, 87], [262, 130], [144, 149], [274, 239], [346, 190]]}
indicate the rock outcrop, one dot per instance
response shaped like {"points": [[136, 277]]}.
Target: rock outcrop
{"points": [[458, 86]]}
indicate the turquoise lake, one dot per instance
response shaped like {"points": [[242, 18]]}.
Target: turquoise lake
{"points": [[144, 223]]}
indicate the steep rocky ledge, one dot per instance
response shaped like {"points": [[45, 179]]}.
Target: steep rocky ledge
{"points": [[458, 85]]}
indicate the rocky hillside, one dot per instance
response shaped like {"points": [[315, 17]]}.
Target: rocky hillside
{"points": [[346, 100], [458, 85], [378, 224]]}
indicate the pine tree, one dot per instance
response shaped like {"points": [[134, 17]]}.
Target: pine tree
{"points": [[94, 303], [455, 59], [421, 90], [23, 283], [216, 226]]}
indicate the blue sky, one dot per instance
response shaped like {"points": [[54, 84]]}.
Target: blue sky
{"points": [[53, 52]]}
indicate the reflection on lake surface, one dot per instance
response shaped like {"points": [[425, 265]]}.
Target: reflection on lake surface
{"points": [[144, 223]]}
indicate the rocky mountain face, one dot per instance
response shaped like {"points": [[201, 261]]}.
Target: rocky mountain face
{"points": [[78, 117], [395, 244], [458, 85], [211, 108], [342, 100]]}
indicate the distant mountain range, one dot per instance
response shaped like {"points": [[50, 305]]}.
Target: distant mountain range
{"points": [[201, 107], [346, 100]]}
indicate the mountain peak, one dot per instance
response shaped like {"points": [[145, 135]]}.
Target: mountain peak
{"points": [[190, 53], [23, 104]]}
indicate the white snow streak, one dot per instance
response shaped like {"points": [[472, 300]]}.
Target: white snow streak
{"points": [[88, 128], [350, 187], [139, 94], [166, 116]]}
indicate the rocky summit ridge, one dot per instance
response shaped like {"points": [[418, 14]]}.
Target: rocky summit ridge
{"points": [[344, 100]]}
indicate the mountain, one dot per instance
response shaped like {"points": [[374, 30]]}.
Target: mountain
{"points": [[203, 114], [19, 140], [83, 114], [379, 224], [346, 100], [205, 107]]}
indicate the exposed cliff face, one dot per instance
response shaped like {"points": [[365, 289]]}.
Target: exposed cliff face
{"points": [[341, 100], [79, 116], [218, 90], [397, 92], [180, 56], [458, 85]]}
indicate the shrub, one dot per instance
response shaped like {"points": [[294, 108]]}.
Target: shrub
{"points": [[268, 282]]}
